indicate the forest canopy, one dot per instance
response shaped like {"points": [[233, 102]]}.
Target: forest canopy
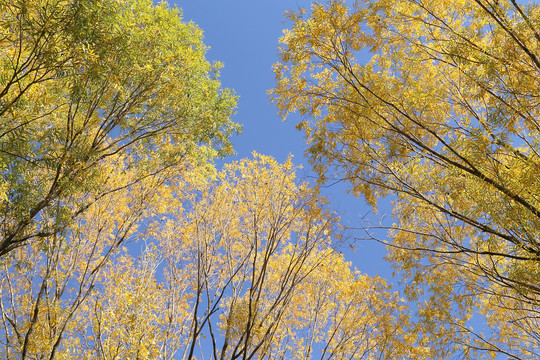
{"points": [[111, 116], [119, 238]]}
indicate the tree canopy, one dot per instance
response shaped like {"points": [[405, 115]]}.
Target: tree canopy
{"points": [[86, 86], [234, 265], [444, 118]]}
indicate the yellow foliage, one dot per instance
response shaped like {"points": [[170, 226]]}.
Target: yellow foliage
{"points": [[437, 105]]}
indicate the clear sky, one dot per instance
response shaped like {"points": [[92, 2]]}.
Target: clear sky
{"points": [[243, 35]]}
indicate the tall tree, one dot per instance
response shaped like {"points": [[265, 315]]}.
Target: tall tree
{"points": [[445, 117], [255, 250], [235, 267], [87, 83]]}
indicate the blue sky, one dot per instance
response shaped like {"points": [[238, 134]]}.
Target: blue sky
{"points": [[243, 35]]}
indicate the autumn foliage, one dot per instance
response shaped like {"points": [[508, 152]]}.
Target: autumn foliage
{"points": [[120, 240], [237, 264], [443, 117]]}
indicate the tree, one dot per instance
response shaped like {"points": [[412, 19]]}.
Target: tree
{"points": [[253, 250], [444, 117], [238, 265], [84, 84]]}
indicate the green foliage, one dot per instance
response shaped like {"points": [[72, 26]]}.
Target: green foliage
{"points": [[89, 83]]}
